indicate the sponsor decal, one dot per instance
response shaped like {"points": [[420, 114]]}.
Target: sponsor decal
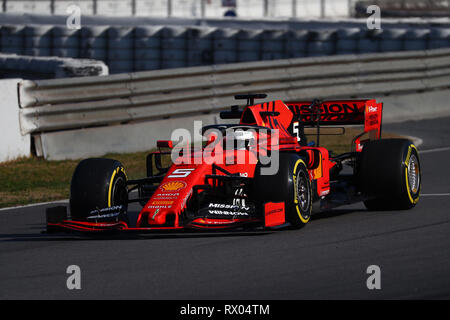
{"points": [[227, 206], [110, 212], [161, 202], [227, 209], [212, 222], [159, 207], [371, 116], [227, 213], [154, 215], [215, 222], [165, 200], [372, 120], [173, 186], [372, 109], [275, 211], [166, 196], [347, 112], [104, 216], [327, 108]]}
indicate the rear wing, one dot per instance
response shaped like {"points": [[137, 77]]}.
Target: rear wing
{"points": [[340, 112]]}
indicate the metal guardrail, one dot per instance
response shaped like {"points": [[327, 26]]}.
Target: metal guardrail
{"points": [[52, 105]]}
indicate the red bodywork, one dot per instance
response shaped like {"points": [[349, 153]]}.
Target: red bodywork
{"points": [[163, 210]]}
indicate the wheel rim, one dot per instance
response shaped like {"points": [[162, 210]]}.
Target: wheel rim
{"points": [[119, 192], [303, 194], [413, 174]]}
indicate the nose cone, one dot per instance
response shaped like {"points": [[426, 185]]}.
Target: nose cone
{"points": [[170, 198]]}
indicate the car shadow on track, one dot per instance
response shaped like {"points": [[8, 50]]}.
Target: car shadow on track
{"points": [[43, 236], [332, 213]]}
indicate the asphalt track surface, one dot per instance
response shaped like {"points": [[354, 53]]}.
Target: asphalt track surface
{"points": [[328, 259]]}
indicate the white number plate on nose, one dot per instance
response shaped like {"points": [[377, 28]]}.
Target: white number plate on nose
{"points": [[180, 173]]}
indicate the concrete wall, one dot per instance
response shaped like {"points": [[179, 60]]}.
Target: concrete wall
{"points": [[183, 8], [12, 143], [91, 142]]}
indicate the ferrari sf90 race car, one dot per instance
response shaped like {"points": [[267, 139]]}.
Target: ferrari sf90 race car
{"points": [[259, 173]]}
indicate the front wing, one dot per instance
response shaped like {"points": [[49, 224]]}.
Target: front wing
{"points": [[58, 221]]}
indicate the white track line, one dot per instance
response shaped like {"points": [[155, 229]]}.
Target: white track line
{"points": [[35, 205], [434, 150], [435, 194], [41, 204]]}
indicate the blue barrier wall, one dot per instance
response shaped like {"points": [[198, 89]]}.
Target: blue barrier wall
{"points": [[131, 48]]}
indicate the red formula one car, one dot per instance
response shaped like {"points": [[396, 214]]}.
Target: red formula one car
{"points": [[259, 173]]}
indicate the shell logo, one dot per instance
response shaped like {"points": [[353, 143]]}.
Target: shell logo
{"points": [[173, 186]]}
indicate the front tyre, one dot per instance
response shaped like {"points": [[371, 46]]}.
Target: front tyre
{"points": [[290, 185], [97, 183]]}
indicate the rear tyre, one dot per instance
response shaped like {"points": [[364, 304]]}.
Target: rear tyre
{"points": [[290, 185], [389, 174], [96, 184]]}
